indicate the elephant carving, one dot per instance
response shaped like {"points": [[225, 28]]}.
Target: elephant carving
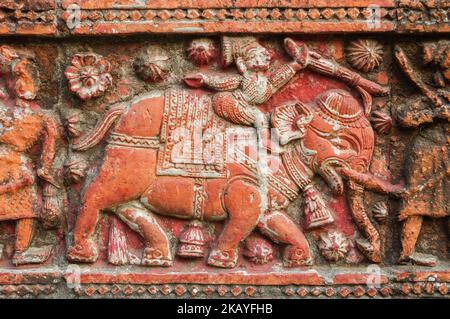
{"points": [[154, 162], [327, 137], [333, 138]]}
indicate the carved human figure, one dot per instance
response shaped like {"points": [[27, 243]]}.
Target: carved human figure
{"points": [[239, 94], [427, 176], [427, 167], [425, 192], [22, 126]]}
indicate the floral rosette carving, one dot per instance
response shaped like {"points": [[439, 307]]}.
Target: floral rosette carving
{"points": [[365, 55], [88, 75], [334, 246], [381, 122], [152, 65], [380, 212], [202, 51]]}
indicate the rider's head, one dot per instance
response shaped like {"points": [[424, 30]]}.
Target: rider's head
{"points": [[257, 58]]}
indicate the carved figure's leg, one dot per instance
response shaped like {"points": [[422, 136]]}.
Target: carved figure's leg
{"points": [[410, 232], [24, 254], [242, 202], [280, 228], [371, 248], [24, 234], [157, 251]]}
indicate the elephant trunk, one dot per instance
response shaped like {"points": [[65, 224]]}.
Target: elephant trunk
{"points": [[329, 172], [372, 182]]}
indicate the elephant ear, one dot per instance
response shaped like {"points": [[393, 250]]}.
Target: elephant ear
{"points": [[287, 120]]}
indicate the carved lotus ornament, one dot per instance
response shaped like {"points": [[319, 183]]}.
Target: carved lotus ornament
{"points": [[380, 212], [152, 65], [88, 75], [202, 51], [381, 122], [334, 246], [365, 55]]}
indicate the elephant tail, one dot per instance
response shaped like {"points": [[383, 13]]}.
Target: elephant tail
{"points": [[98, 133]]}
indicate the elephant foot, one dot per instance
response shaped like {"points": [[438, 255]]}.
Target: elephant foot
{"points": [[83, 253], [155, 257], [419, 259], [371, 251], [223, 259], [296, 257]]}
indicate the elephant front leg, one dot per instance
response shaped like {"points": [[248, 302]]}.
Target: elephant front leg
{"points": [[280, 228], [242, 202], [157, 251], [372, 247]]}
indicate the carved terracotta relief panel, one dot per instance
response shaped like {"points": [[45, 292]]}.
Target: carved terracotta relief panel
{"points": [[184, 149]]}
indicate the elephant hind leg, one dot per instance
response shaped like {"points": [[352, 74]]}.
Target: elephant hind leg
{"points": [[242, 202], [83, 249], [142, 221], [372, 247], [280, 228]]}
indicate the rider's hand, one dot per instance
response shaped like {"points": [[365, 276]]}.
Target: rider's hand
{"points": [[299, 52], [195, 80]]}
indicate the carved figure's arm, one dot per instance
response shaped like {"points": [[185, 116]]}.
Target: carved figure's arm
{"points": [[282, 75], [50, 136], [223, 82], [217, 82]]}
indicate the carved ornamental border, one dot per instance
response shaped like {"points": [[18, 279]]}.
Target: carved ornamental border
{"points": [[124, 17], [393, 283]]}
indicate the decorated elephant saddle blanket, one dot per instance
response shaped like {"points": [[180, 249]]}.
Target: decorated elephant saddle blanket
{"points": [[193, 136]]}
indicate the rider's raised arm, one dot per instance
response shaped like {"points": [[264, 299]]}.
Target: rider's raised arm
{"points": [[217, 82], [222, 82], [282, 75]]}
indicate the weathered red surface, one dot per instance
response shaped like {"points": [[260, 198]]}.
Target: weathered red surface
{"points": [[304, 156]]}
